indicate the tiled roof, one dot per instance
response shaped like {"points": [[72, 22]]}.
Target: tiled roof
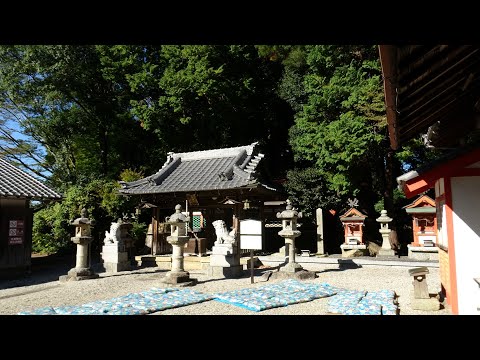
{"points": [[17, 183], [216, 169]]}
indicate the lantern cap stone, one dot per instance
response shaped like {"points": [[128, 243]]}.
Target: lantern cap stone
{"points": [[289, 212], [384, 218], [178, 216], [83, 219]]}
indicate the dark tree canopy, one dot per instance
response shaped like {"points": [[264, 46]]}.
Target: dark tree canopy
{"points": [[83, 117]]}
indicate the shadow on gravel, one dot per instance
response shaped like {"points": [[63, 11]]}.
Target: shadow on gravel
{"points": [[343, 264], [43, 269], [49, 268]]}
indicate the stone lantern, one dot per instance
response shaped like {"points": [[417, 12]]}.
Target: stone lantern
{"points": [[82, 238], [178, 238], [290, 232], [386, 249]]}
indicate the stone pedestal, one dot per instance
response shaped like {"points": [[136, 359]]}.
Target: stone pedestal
{"points": [[386, 249], [116, 252], [178, 274], [349, 251], [291, 266], [114, 260], [430, 304], [225, 262], [423, 253]]}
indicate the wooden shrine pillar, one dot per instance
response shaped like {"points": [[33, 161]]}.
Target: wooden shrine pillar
{"points": [[209, 230]]}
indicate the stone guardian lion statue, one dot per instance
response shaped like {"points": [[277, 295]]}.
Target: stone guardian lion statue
{"points": [[223, 236], [113, 237]]}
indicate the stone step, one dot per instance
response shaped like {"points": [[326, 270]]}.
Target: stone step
{"points": [[165, 261]]}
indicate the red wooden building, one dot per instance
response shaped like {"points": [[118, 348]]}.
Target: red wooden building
{"points": [[432, 93]]}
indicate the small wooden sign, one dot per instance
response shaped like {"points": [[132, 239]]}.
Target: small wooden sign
{"points": [[251, 234]]}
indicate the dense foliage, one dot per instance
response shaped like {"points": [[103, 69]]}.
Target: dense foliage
{"points": [[83, 117]]}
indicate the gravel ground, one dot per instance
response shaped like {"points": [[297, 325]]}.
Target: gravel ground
{"points": [[44, 289]]}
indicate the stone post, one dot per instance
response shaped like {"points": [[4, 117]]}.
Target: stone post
{"points": [[290, 232], [386, 249], [82, 238], [421, 299], [178, 238], [320, 238]]}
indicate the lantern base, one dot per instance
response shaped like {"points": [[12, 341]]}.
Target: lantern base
{"points": [[77, 274], [385, 252], [180, 278], [299, 275], [291, 268]]}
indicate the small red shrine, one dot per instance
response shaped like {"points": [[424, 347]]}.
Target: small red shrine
{"points": [[352, 222], [424, 221]]}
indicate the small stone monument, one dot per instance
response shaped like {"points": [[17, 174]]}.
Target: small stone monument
{"points": [[82, 238], [353, 222], [115, 249], [225, 257], [320, 236], [421, 297], [386, 249], [289, 231], [178, 237]]}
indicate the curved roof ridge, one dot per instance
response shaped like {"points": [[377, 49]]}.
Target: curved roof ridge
{"points": [[215, 153]]}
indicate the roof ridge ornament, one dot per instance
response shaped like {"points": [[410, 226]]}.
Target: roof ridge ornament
{"points": [[352, 203]]}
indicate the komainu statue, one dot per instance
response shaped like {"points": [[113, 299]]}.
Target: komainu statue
{"points": [[223, 236]]}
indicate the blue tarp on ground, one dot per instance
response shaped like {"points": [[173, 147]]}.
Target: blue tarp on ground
{"points": [[142, 303], [287, 292], [380, 302], [284, 293]]}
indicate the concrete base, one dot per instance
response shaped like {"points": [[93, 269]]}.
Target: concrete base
{"points": [[112, 267], [299, 275], [164, 262], [385, 252], [224, 260], [349, 251], [431, 304], [114, 260], [77, 274], [423, 253], [235, 271]]}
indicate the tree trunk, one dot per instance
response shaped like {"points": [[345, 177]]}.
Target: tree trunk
{"points": [[103, 141]]}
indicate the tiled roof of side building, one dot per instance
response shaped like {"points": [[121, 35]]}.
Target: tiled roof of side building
{"points": [[17, 183], [216, 169]]}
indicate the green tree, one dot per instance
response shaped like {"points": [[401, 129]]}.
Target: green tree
{"points": [[74, 121]]}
